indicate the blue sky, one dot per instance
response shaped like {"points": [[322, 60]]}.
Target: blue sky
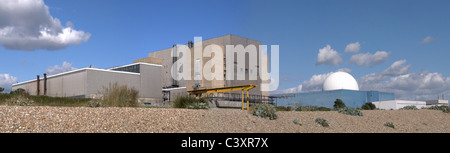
{"points": [[415, 34]]}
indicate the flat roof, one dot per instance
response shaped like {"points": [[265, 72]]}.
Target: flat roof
{"points": [[95, 69]]}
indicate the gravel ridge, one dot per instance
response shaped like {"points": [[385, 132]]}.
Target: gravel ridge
{"points": [[44, 119]]}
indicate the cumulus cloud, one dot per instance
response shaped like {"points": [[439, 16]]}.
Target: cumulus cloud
{"points": [[406, 85], [353, 47], [368, 59], [28, 25], [397, 68], [411, 85], [6, 81], [427, 40], [328, 56], [59, 69], [315, 83]]}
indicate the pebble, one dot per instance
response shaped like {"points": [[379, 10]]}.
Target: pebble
{"points": [[43, 119]]}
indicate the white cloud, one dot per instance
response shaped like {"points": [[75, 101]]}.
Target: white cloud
{"points": [[6, 81], [406, 85], [328, 56], [315, 83], [411, 85], [353, 47], [289, 90], [28, 25], [427, 40], [397, 68], [368, 59], [51, 70]]}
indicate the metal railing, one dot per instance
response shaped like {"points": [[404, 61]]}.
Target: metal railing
{"points": [[253, 99]]}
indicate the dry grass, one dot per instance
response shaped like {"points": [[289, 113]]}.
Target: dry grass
{"points": [[119, 96]]}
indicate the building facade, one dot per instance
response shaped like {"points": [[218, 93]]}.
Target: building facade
{"points": [[173, 88]]}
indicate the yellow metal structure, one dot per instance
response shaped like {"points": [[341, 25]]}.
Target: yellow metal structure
{"points": [[199, 92]]}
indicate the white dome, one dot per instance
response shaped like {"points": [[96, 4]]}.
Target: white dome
{"points": [[340, 80]]}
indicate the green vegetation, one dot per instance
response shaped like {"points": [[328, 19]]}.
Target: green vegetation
{"points": [[199, 106], [185, 101], [18, 91], [4, 97], [59, 101], [322, 122], [445, 109], [338, 104], [265, 111], [96, 103], [350, 111], [21, 98], [2, 89], [297, 122], [368, 106], [311, 108], [389, 124], [282, 108], [409, 108]]}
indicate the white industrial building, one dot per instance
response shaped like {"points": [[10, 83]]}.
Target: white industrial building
{"points": [[398, 104]]}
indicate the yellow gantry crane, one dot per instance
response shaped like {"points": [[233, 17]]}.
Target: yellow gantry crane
{"points": [[199, 92]]}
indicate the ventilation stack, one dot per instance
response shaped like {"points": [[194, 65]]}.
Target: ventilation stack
{"points": [[45, 84], [37, 86]]}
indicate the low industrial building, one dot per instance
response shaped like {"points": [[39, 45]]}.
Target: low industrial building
{"points": [[398, 104], [90, 82], [439, 102]]}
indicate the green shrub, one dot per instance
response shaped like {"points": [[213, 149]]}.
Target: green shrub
{"points": [[2, 89], [350, 111], [323, 109], [322, 122], [445, 109], [185, 101], [265, 111], [409, 108], [96, 103], [368, 106], [120, 96], [199, 105], [19, 100], [389, 124], [297, 122], [338, 104], [18, 91]]}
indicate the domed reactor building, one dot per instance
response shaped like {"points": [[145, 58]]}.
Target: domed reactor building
{"points": [[339, 85]]}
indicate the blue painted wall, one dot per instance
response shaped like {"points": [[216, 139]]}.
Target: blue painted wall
{"points": [[351, 98]]}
